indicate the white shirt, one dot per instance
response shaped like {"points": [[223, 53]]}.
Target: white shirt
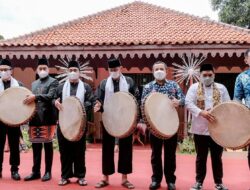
{"points": [[200, 124]]}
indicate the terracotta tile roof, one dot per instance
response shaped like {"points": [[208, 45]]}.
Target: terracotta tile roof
{"points": [[136, 23]]}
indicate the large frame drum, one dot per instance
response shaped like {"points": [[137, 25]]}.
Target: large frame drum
{"points": [[160, 115], [72, 119], [13, 112], [120, 114], [232, 126]]}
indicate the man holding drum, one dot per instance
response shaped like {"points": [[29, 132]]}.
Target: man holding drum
{"points": [[242, 89], [201, 98], [114, 83], [43, 124], [13, 133], [72, 153], [174, 92]]}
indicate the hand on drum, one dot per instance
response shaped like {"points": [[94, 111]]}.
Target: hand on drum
{"points": [[207, 115], [97, 106], [29, 99], [175, 102], [58, 104]]}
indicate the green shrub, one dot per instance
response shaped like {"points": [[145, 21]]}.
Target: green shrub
{"points": [[187, 146]]}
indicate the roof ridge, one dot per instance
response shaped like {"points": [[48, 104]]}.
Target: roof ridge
{"points": [[133, 6]]}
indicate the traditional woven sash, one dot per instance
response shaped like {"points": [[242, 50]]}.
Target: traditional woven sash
{"points": [[201, 96]]}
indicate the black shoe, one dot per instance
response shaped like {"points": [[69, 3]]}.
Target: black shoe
{"points": [[46, 177], [171, 186], [154, 185], [220, 187], [15, 175], [1, 175], [197, 186], [32, 176]]}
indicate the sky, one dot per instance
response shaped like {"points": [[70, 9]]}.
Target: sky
{"points": [[19, 17]]}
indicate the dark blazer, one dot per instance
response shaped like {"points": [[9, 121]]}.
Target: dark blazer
{"points": [[44, 90]]}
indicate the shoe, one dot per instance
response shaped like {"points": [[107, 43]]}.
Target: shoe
{"points": [[63, 182], [220, 187], [1, 175], [154, 185], [46, 177], [197, 186], [32, 176], [15, 175], [171, 186], [82, 182]]}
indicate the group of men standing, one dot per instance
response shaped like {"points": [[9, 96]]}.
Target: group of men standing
{"points": [[49, 95]]}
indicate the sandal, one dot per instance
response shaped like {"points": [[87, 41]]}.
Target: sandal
{"points": [[82, 182], [63, 182], [101, 184], [128, 185]]}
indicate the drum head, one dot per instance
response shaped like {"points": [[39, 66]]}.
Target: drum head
{"points": [[161, 115], [13, 111], [72, 119], [232, 126], [120, 114]]}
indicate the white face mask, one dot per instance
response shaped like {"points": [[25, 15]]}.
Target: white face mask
{"points": [[115, 74], [42, 74], [73, 75], [160, 75], [207, 81], [5, 75]]}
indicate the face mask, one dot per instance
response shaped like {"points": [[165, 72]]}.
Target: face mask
{"points": [[42, 74], [73, 75], [115, 74], [207, 81], [5, 75], [159, 75]]}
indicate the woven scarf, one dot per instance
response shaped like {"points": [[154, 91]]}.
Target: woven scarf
{"points": [[13, 83], [109, 88], [201, 97], [80, 93]]}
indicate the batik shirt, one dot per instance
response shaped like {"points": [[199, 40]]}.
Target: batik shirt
{"points": [[170, 88], [242, 88]]}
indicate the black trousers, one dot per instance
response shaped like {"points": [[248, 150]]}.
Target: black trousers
{"points": [[13, 134], [202, 145], [37, 156], [125, 154], [72, 156], [169, 158]]}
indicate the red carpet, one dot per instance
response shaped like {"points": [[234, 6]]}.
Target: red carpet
{"points": [[236, 172]]}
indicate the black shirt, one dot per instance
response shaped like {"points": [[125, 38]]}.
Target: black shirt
{"points": [[7, 84]]}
